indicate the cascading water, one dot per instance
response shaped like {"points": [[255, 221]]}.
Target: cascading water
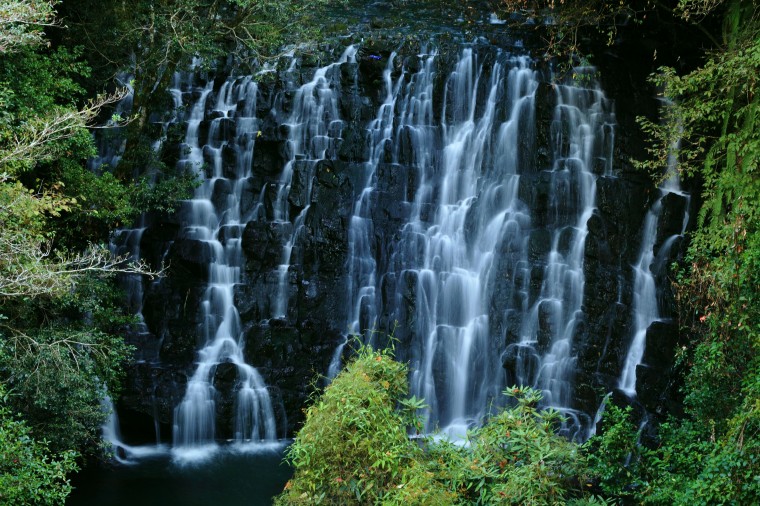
{"points": [[361, 264], [645, 310], [578, 139], [652, 257], [463, 215], [464, 206], [466, 215], [111, 429], [314, 128], [125, 243], [218, 230], [455, 374], [362, 267]]}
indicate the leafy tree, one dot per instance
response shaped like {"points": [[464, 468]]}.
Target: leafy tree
{"points": [[21, 23], [59, 370], [45, 142], [59, 346], [29, 474], [354, 448], [58, 322]]}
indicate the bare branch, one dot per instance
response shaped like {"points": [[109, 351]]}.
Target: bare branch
{"points": [[26, 269]]}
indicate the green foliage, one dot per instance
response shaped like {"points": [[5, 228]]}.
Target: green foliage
{"points": [[24, 243], [38, 80], [45, 143], [103, 202], [21, 23], [517, 458], [60, 348], [616, 460], [164, 195], [29, 473], [37, 108], [59, 320], [354, 448], [689, 465], [59, 357]]}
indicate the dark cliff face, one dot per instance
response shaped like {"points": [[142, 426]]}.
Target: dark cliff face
{"points": [[291, 344]]}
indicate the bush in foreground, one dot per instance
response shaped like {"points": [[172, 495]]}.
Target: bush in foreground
{"points": [[354, 448], [29, 472]]}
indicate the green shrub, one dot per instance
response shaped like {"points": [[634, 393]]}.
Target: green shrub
{"points": [[515, 458], [354, 447], [614, 456], [29, 473], [693, 463]]}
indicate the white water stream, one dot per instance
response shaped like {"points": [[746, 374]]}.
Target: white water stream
{"points": [[218, 231]]}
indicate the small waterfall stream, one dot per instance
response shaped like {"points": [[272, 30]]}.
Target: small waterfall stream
{"points": [[645, 310], [652, 259], [362, 267], [314, 129], [125, 243], [215, 225]]}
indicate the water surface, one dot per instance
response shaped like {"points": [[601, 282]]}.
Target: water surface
{"points": [[228, 478]]}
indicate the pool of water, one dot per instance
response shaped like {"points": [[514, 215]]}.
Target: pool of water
{"points": [[228, 476]]}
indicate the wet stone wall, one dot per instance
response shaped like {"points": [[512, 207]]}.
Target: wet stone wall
{"points": [[459, 197]]}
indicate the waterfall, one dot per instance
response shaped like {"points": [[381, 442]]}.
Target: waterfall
{"points": [[463, 206], [111, 430], [314, 128], [646, 307], [110, 148], [467, 224], [123, 453], [125, 243], [551, 321], [362, 266], [455, 373], [214, 223], [645, 310]]}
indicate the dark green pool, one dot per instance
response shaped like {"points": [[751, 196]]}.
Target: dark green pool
{"points": [[229, 476]]}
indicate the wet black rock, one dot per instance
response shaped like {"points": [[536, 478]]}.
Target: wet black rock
{"points": [[294, 348], [190, 258]]}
